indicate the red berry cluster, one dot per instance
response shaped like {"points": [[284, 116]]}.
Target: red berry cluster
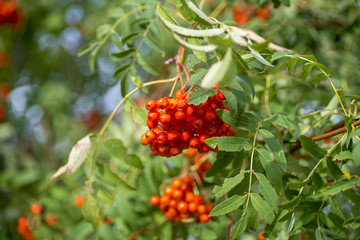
{"points": [[9, 13], [23, 228], [175, 125], [179, 202]]}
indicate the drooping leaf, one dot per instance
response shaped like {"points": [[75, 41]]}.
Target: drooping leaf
{"points": [[87, 48], [198, 15], [130, 38], [228, 144], [195, 45], [278, 55], [258, 57], [125, 85], [312, 148], [229, 183], [334, 168], [262, 208], [242, 66], [240, 96], [228, 205], [218, 71], [146, 64], [77, 157], [284, 121], [187, 32], [237, 37], [90, 210], [274, 147], [267, 191]]}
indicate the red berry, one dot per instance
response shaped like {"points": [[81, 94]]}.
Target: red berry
{"points": [[194, 142], [180, 94], [151, 125], [153, 116], [203, 137], [144, 140], [172, 136], [202, 209], [51, 220], [182, 103], [180, 116], [192, 207], [178, 194], [172, 103], [162, 138], [168, 191], [36, 208], [176, 183], [185, 136], [163, 149], [182, 207], [174, 151], [150, 136], [162, 103], [204, 218], [198, 123], [165, 118], [79, 201], [155, 200], [151, 105]]}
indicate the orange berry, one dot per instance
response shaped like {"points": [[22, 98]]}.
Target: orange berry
{"points": [[182, 207], [172, 103], [202, 209], [176, 183], [23, 222], [204, 218], [177, 194], [150, 136], [180, 94], [151, 105], [162, 103], [109, 220], [260, 236], [36, 208], [168, 191], [144, 140], [51, 220], [155, 200], [79, 201], [191, 152]]}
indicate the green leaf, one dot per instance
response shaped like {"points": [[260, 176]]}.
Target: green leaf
{"points": [[105, 196], [228, 205], [319, 235], [222, 160], [120, 70], [124, 85], [275, 148], [246, 121], [228, 144], [334, 169], [343, 156], [146, 65], [129, 38], [335, 208], [134, 160], [272, 170], [199, 96], [284, 121], [115, 39], [258, 57], [239, 95], [90, 210], [317, 180], [87, 48], [267, 191], [303, 220], [112, 177], [229, 183], [312, 148], [291, 64], [353, 197], [187, 32], [153, 44], [123, 55], [240, 226], [340, 186], [296, 185], [247, 80], [237, 37], [77, 157], [278, 55], [262, 208], [195, 46], [163, 14], [115, 147], [240, 63], [140, 21], [102, 30], [290, 204], [306, 70], [198, 15], [197, 76], [199, 54], [138, 114], [218, 71], [231, 100]]}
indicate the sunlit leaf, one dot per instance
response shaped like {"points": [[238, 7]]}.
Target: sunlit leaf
{"points": [[228, 205]]}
